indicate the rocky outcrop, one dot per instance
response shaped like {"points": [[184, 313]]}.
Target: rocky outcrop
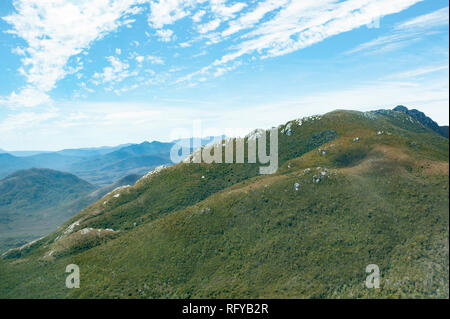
{"points": [[423, 119]]}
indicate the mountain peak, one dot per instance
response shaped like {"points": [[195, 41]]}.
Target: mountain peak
{"points": [[422, 118]]}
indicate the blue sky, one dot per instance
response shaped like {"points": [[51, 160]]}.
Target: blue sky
{"points": [[103, 72]]}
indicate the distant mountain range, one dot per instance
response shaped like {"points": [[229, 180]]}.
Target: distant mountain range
{"points": [[133, 159], [99, 166], [79, 152]]}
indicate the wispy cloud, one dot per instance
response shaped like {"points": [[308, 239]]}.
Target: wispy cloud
{"points": [[406, 32], [165, 35], [108, 123], [55, 31], [17, 121], [387, 43], [28, 96], [418, 72], [434, 19], [297, 25], [249, 19], [166, 12], [117, 72]]}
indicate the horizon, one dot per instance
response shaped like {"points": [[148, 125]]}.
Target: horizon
{"points": [[137, 70], [161, 141]]}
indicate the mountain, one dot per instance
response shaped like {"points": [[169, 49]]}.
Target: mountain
{"points": [[444, 131], [96, 195], [100, 166], [94, 151], [27, 153], [10, 163], [189, 142], [53, 161], [352, 189], [33, 202], [132, 151], [133, 159], [75, 152], [425, 120]]}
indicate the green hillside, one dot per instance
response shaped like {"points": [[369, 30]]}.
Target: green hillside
{"points": [[33, 202], [352, 189], [133, 159]]}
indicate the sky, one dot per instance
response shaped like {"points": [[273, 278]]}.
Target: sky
{"points": [[87, 73]]}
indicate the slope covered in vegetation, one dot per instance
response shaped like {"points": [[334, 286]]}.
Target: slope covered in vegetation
{"points": [[34, 202], [352, 189]]}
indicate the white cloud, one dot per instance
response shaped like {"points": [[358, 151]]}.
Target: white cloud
{"points": [[202, 53], [155, 59], [385, 43], [24, 120], [164, 35], [209, 26], [94, 124], [197, 17], [47, 28], [221, 9], [406, 32], [55, 31], [117, 72], [222, 70], [417, 72], [294, 26], [165, 12], [185, 44], [301, 24], [221, 12], [251, 18], [28, 96], [431, 20]]}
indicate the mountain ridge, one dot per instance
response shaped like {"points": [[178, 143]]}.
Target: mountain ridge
{"points": [[352, 189], [425, 120]]}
